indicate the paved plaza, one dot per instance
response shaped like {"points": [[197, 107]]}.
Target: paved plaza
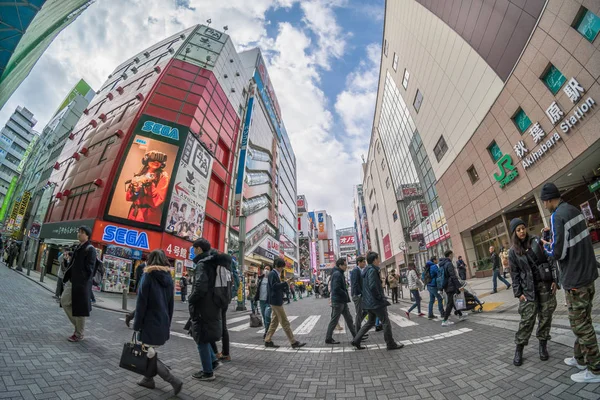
{"points": [[471, 360]]}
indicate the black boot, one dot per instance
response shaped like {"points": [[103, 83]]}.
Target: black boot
{"points": [[147, 382], [544, 350], [166, 375], [518, 360]]}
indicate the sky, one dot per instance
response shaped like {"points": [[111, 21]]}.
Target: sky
{"points": [[322, 55]]}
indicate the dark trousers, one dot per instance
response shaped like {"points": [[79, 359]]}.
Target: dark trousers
{"points": [[183, 294], [450, 305], [417, 304], [394, 295], [360, 313], [338, 310], [225, 337], [59, 287], [382, 314]]}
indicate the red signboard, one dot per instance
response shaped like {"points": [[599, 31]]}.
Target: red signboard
{"points": [[175, 247], [387, 246], [424, 210], [121, 235], [347, 240]]}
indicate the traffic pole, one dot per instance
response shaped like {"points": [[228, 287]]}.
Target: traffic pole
{"points": [[241, 299]]}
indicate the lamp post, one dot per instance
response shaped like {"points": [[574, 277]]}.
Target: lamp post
{"points": [[241, 297]]}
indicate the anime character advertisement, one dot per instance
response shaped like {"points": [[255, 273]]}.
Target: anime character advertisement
{"points": [[144, 181], [185, 217]]}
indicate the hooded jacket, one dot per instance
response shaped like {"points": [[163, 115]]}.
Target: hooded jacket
{"points": [[207, 298], [521, 269], [452, 283], [339, 291], [433, 271], [372, 289], [154, 306]]}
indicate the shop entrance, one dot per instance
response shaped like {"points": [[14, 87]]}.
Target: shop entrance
{"points": [[492, 233]]}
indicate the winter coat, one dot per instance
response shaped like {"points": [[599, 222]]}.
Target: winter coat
{"points": [[79, 274], [372, 289], [393, 281], [522, 269], [452, 284], [462, 269], [571, 245], [339, 291], [414, 282], [275, 289], [433, 271], [356, 281], [205, 312], [495, 261], [154, 305], [183, 285]]}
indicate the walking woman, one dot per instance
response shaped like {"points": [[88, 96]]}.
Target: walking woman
{"points": [[534, 284], [415, 285], [154, 312]]}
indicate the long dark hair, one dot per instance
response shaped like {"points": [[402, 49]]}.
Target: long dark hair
{"points": [[158, 258], [518, 245]]}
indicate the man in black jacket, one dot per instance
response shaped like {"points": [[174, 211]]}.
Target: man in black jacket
{"points": [[76, 297], [452, 287], [261, 298], [275, 299], [339, 301], [571, 245], [496, 270], [462, 268], [205, 304], [356, 287]]}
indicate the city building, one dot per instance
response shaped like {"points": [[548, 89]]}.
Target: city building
{"points": [[16, 138], [490, 101], [265, 190], [361, 223], [150, 164], [307, 240], [346, 239], [327, 248], [29, 26]]}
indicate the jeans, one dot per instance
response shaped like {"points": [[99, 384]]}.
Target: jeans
{"points": [[360, 313], [338, 310], [496, 277], [450, 305], [265, 311], [183, 294], [381, 314], [92, 297], [207, 357], [417, 304], [254, 307], [433, 294]]}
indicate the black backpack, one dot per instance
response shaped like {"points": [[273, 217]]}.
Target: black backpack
{"points": [[98, 274], [427, 275]]}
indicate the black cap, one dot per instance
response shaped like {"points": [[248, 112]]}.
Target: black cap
{"points": [[515, 223], [86, 229], [549, 192]]}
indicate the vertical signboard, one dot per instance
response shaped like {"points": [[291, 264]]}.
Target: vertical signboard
{"points": [[185, 217], [239, 184], [8, 197], [321, 226], [387, 247]]}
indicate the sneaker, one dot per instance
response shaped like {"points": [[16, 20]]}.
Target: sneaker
{"points": [[201, 376], [421, 314], [331, 341], [447, 323], [463, 317], [407, 314], [225, 358], [431, 316], [297, 345], [572, 362], [395, 346], [219, 356], [75, 338], [215, 365], [585, 376], [271, 345], [494, 291], [378, 328]]}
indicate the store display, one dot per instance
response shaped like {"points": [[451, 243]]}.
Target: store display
{"points": [[118, 272]]}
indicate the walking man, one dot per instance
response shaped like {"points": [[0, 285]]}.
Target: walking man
{"points": [[183, 285], [275, 299], [356, 287], [339, 301], [76, 297], [393, 280], [496, 268], [462, 269], [451, 286], [261, 297], [571, 245], [430, 276], [375, 302]]}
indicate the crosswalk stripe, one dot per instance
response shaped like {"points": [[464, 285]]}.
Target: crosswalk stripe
{"points": [[307, 325], [401, 321], [238, 319], [290, 319]]}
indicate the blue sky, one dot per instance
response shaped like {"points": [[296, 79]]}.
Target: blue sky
{"points": [[323, 58]]}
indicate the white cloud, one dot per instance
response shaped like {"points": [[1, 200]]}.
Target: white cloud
{"points": [[111, 30]]}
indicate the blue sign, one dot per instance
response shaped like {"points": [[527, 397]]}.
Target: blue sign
{"points": [[124, 236], [264, 95], [242, 163], [161, 130], [191, 252], [136, 255]]}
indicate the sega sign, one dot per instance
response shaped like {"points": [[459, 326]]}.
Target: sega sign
{"points": [[161, 130], [126, 237]]}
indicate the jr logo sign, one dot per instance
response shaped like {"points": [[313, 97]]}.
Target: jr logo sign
{"points": [[508, 171]]}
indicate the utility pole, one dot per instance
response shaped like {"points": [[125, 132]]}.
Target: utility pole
{"points": [[241, 299]]}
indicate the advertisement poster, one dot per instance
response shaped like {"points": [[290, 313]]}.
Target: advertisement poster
{"points": [[144, 180], [321, 226], [303, 244], [185, 218], [387, 247], [586, 210], [331, 250]]}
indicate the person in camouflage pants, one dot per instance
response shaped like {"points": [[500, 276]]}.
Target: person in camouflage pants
{"points": [[579, 303], [543, 308]]}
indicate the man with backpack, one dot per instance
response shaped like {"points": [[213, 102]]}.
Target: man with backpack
{"points": [[448, 281], [430, 278], [208, 304]]}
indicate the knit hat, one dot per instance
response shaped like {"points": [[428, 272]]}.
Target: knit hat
{"points": [[86, 229], [549, 192], [515, 223]]}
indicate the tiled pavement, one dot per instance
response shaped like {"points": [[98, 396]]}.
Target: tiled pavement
{"points": [[36, 361]]}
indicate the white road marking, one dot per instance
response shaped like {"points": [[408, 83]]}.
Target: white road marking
{"points": [[307, 325], [401, 321]]}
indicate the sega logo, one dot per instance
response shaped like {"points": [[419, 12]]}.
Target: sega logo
{"points": [[161, 130], [124, 236], [141, 141]]}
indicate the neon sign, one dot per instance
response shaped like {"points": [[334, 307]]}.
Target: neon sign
{"points": [[161, 130], [124, 236]]}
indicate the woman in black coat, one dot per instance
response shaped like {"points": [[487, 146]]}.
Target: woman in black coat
{"points": [[154, 312]]}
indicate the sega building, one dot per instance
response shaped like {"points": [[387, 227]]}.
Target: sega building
{"points": [[493, 101], [149, 165]]}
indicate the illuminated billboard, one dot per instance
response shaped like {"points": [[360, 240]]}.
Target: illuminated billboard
{"points": [[144, 180]]}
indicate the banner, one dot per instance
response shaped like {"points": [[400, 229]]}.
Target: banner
{"points": [[321, 226]]}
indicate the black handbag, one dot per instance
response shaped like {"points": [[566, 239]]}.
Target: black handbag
{"points": [[135, 359]]}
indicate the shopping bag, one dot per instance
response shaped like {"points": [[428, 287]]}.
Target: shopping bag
{"points": [[459, 301], [255, 321], [134, 358]]}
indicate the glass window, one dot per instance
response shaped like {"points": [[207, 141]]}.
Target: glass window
{"points": [[440, 148], [494, 151], [588, 24], [473, 174], [521, 120], [553, 79], [418, 100], [395, 64], [405, 79]]}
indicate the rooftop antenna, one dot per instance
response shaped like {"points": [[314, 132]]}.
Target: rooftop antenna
{"points": [[209, 21], [225, 28]]}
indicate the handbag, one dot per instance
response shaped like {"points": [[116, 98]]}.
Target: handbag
{"points": [[134, 358], [459, 301], [255, 321]]}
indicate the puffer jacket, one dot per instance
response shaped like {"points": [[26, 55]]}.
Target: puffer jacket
{"points": [[433, 271], [372, 289], [154, 306], [414, 283], [521, 269], [339, 291], [452, 283]]}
